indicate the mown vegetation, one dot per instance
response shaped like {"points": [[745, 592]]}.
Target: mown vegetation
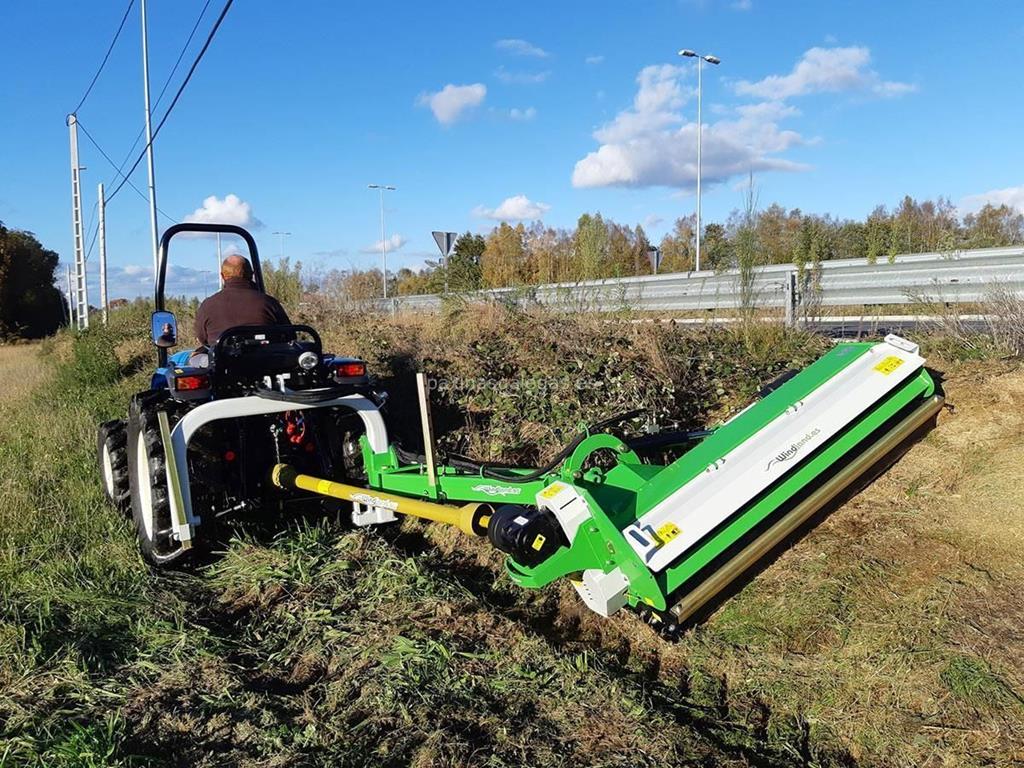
{"points": [[885, 637]]}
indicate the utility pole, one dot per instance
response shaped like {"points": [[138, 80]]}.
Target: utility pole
{"points": [[67, 290], [220, 280], [149, 139], [383, 237], [102, 235], [281, 237], [81, 293], [700, 131]]}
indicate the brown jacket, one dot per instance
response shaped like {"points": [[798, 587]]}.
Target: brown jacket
{"points": [[237, 303]]}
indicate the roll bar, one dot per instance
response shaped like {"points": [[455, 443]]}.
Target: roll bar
{"points": [[191, 226], [188, 226]]}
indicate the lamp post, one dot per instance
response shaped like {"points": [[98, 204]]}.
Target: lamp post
{"points": [[282, 236], [700, 129], [383, 240]]}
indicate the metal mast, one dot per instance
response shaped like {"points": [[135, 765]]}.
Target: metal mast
{"points": [[81, 292], [102, 235], [149, 139]]}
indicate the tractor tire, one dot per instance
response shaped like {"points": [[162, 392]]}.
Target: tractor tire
{"points": [[112, 456], [150, 500]]}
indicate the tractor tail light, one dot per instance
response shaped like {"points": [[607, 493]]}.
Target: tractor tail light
{"points": [[192, 382], [349, 370]]}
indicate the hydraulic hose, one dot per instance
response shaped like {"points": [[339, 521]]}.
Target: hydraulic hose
{"points": [[495, 474], [494, 471]]}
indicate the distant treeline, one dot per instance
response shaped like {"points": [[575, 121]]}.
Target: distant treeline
{"points": [[30, 305], [599, 247]]}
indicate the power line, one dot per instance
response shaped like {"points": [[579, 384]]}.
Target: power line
{"points": [[105, 57], [114, 166], [163, 90], [181, 89]]}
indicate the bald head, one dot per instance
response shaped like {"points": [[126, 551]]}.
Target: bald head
{"points": [[236, 266]]}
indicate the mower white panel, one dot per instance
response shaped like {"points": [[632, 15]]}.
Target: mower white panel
{"points": [[239, 407], [682, 519]]}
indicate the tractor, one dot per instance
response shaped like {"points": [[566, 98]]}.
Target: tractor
{"points": [[198, 444]]}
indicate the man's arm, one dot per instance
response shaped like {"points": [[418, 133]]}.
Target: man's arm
{"points": [[200, 325], [277, 313]]}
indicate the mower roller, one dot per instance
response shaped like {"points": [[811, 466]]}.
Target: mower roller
{"points": [[272, 420]]}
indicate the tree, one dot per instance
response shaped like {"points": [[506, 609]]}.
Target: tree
{"points": [[677, 247], [464, 272], [716, 249], [504, 261], [591, 246], [993, 226], [284, 281], [31, 306]]}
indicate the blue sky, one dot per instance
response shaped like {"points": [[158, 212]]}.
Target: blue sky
{"points": [[479, 111]]}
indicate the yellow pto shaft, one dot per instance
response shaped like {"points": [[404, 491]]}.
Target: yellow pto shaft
{"points": [[470, 518]]}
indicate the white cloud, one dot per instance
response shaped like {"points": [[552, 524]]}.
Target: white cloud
{"points": [[452, 101], [652, 220], [1011, 196], [520, 47], [516, 208], [230, 210], [742, 5], [596, 59], [394, 242], [650, 143], [522, 114], [520, 78], [825, 70]]}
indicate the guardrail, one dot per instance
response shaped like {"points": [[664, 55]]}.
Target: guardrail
{"points": [[962, 276]]}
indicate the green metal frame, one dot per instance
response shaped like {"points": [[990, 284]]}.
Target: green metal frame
{"points": [[622, 494]]}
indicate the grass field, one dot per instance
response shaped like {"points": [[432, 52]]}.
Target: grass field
{"points": [[891, 634]]}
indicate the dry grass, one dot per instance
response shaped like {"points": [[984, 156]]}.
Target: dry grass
{"points": [[20, 371]]}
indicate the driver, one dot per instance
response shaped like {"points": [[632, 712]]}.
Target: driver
{"points": [[238, 302]]}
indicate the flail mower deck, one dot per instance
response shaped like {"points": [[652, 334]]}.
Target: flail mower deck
{"points": [[662, 539], [667, 539]]}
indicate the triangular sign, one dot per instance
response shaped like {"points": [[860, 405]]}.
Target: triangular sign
{"points": [[445, 241]]}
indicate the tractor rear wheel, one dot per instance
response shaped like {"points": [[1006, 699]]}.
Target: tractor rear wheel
{"points": [[147, 471], [112, 455]]}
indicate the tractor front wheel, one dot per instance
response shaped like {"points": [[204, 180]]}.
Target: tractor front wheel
{"points": [[147, 471], [112, 456]]}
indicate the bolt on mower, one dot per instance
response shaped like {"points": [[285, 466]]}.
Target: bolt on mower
{"points": [[662, 539]]}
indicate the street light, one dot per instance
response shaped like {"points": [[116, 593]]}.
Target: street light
{"points": [[700, 130], [282, 235], [383, 239]]}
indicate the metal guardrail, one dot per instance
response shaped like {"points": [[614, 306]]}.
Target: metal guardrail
{"points": [[952, 277]]}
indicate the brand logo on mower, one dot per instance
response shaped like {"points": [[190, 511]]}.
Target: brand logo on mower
{"points": [[374, 501], [788, 453], [497, 490]]}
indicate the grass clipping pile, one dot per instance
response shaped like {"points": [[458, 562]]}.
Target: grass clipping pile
{"points": [[889, 635]]}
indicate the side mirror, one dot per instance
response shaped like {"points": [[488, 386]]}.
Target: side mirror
{"points": [[165, 329]]}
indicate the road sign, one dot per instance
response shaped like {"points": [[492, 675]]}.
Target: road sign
{"points": [[654, 256], [445, 242]]}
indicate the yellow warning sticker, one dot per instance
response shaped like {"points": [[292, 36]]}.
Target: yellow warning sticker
{"points": [[552, 490], [538, 542], [667, 532], [889, 364]]}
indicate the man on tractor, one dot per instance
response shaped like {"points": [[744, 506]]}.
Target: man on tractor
{"points": [[239, 302]]}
